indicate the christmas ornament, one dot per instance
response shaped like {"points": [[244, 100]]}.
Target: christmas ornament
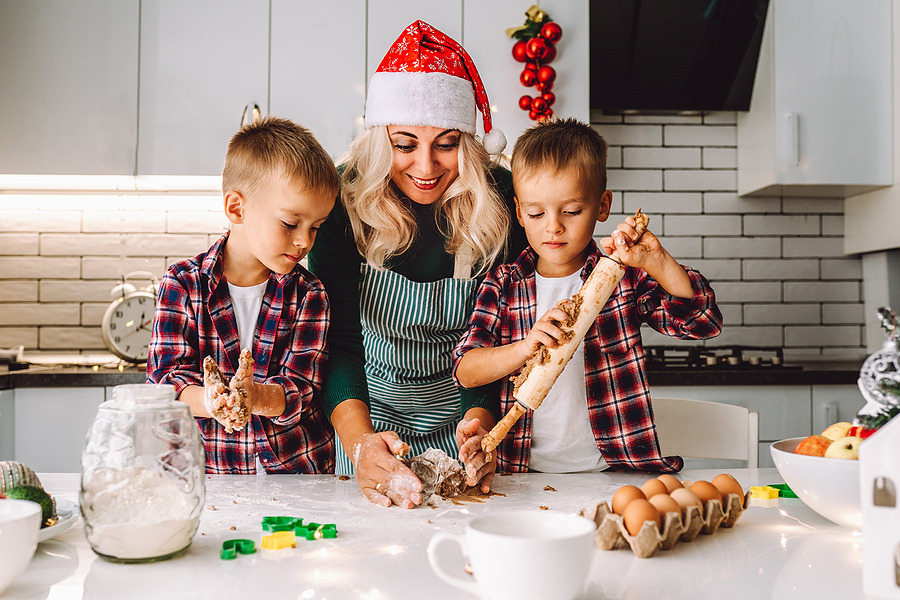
{"points": [[536, 47]]}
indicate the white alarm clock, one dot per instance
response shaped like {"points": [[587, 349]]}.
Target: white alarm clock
{"points": [[128, 322]]}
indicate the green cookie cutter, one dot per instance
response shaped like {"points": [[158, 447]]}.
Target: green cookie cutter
{"points": [[231, 548]]}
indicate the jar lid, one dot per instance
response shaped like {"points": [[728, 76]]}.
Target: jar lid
{"points": [[136, 395]]}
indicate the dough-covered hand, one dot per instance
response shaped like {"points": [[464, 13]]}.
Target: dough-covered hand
{"points": [[381, 476], [634, 250], [228, 404], [479, 470], [546, 331]]}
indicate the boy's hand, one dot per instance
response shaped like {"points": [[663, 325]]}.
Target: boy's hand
{"points": [[468, 437], [546, 331]]}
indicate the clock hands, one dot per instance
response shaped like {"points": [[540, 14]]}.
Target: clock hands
{"points": [[141, 326]]}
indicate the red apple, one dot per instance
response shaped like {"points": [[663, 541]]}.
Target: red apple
{"points": [[814, 445]]}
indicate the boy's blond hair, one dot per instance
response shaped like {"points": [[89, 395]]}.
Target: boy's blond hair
{"points": [[557, 145], [275, 146]]}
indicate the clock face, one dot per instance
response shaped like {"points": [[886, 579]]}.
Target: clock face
{"points": [[127, 326]]}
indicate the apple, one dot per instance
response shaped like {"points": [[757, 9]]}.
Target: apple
{"points": [[846, 448], [814, 445], [837, 431], [859, 431]]}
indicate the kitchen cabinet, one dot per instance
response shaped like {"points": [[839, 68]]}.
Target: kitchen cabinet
{"points": [[820, 116], [202, 64], [7, 424], [68, 98], [834, 403]]}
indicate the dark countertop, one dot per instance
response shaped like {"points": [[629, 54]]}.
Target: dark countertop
{"points": [[70, 376]]}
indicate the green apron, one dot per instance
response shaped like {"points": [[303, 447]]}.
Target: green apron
{"points": [[409, 331]]}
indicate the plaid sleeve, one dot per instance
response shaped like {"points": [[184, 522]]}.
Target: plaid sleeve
{"points": [[174, 356], [305, 356], [695, 318]]}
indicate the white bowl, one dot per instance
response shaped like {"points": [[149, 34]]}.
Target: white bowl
{"points": [[829, 486], [20, 523]]}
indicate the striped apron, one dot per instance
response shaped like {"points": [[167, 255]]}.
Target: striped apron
{"points": [[409, 331]]}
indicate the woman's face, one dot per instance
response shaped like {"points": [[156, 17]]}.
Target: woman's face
{"points": [[426, 161]]}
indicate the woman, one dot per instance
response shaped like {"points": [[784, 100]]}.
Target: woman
{"points": [[422, 214]]}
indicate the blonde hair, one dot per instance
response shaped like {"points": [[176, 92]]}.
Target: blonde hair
{"points": [[275, 146], [561, 144], [471, 213]]}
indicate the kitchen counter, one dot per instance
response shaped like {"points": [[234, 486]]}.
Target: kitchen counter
{"points": [[781, 550]]}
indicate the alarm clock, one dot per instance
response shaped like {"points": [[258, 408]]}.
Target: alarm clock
{"points": [[128, 322]]}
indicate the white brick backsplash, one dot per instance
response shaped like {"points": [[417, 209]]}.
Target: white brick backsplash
{"points": [[782, 225], [125, 221], [733, 291], [631, 135], [774, 314], [838, 314], [732, 314], [838, 335], [781, 269], [665, 119], [719, 158], [76, 291], [682, 248], [832, 224], [718, 270], [637, 180], [166, 245], [18, 291], [665, 158], [39, 267], [825, 247], [822, 291], [750, 336], [756, 247], [842, 268], [92, 313], [104, 268], [18, 243], [727, 117], [614, 158], [39, 314], [80, 244], [79, 338], [686, 135], [700, 180], [41, 220], [814, 205], [617, 202], [196, 222], [702, 225], [663, 202], [729, 202], [10, 337]]}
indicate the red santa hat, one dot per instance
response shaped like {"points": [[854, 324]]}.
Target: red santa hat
{"points": [[428, 79]]}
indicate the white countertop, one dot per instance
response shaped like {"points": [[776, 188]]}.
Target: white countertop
{"points": [[783, 550]]}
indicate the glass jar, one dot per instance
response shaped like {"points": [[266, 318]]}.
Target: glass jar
{"points": [[142, 476]]}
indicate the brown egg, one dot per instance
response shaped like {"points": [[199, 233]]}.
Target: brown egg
{"points": [[624, 496], [706, 491], [665, 503], [653, 487], [727, 484], [686, 498], [672, 483], [637, 512]]}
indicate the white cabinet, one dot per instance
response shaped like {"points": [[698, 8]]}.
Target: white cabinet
{"points": [[834, 403], [820, 115], [68, 86], [202, 63]]}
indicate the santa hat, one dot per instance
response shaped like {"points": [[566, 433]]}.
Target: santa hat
{"points": [[428, 79]]}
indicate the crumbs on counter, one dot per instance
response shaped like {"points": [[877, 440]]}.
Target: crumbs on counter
{"points": [[344, 478], [549, 488], [234, 501], [232, 528], [544, 507], [211, 507], [504, 474]]}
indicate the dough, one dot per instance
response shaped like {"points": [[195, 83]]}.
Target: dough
{"points": [[226, 402], [438, 473]]}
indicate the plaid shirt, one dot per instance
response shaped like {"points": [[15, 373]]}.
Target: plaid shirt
{"points": [[618, 395], [195, 318]]}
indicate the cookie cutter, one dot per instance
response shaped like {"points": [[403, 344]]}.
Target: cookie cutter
{"points": [[315, 531], [279, 540], [231, 548], [273, 524], [764, 492]]}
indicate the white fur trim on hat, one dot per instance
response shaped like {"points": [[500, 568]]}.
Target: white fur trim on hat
{"points": [[495, 141], [422, 99]]}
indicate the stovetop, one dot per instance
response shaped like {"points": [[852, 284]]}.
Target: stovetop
{"points": [[660, 358]]}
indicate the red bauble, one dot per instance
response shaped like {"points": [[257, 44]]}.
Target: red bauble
{"points": [[518, 51], [550, 55], [528, 78], [546, 74], [539, 105], [546, 115], [536, 48], [525, 102], [533, 115], [544, 86], [551, 32], [531, 66], [549, 98]]}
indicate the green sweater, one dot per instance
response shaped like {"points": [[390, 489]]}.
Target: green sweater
{"points": [[335, 260]]}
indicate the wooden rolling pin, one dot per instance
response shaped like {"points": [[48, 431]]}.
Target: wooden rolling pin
{"points": [[545, 365]]}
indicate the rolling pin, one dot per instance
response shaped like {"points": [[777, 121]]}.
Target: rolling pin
{"points": [[545, 365]]}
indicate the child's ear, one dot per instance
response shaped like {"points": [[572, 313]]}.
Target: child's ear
{"points": [[234, 207], [605, 205], [519, 212]]}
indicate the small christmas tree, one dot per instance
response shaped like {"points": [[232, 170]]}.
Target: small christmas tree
{"points": [[879, 378]]}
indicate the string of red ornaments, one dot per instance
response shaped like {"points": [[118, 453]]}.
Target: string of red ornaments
{"points": [[536, 47]]}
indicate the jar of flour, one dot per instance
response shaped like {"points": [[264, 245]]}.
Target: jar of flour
{"points": [[142, 476]]}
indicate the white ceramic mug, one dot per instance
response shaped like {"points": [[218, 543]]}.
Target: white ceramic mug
{"points": [[20, 523], [522, 554]]}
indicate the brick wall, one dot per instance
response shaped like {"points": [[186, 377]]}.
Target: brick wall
{"points": [[777, 264]]}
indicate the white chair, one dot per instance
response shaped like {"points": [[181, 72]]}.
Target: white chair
{"points": [[697, 429]]}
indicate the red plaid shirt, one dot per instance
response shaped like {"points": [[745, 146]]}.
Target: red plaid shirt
{"points": [[617, 391], [195, 318]]}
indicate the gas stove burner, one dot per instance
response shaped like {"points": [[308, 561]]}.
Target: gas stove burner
{"points": [[708, 357]]}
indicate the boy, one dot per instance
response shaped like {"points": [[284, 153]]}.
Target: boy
{"points": [[249, 291], [598, 412]]}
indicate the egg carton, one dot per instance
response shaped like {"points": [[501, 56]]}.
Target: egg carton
{"points": [[612, 535]]}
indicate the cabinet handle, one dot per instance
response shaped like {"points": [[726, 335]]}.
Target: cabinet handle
{"points": [[251, 111], [793, 121], [829, 413]]}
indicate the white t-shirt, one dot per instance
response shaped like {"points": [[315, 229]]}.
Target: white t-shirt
{"points": [[246, 302], [562, 440]]}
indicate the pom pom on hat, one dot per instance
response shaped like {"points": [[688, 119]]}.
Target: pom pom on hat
{"points": [[495, 141]]}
